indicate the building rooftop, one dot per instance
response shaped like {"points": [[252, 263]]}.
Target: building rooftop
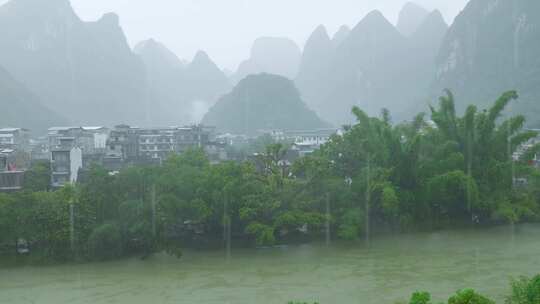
{"points": [[10, 130], [94, 128], [315, 131], [56, 129]]}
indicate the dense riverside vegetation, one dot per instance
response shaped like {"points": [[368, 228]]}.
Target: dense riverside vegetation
{"points": [[523, 291], [377, 177]]}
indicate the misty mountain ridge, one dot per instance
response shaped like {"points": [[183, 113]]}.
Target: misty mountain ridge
{"points": [[82, 70], [273, 55], [493, 46], [155, 54], [180, 90], [262, 102], [21, 108], [316, 68], [341, 35], [410, 18], [205, 80], [87, 72], [164, 74], [375, 66]]}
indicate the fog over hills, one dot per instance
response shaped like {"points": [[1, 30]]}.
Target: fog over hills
{"points": [[315, 69], [262, 102], [226, 29], [493, 46], [164, 73], [273, 55], [341, 35], [157, 55], [180, 92], [410, 18], [22, 108], [204, 80], [86, 73], [375, 66]]}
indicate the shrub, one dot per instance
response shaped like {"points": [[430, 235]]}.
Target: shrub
{"points": [[469, 296], [264, 234], [105, 242], [135, 225], [525, 291], [351, 221], [420, 298]]}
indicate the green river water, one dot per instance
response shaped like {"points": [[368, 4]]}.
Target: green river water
{"points": [[389, 271]]}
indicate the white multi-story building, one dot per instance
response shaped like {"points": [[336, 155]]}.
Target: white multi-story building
{"points": [[314, 138], [91, 140], [66, 161], [305, 141], [15, 139]]}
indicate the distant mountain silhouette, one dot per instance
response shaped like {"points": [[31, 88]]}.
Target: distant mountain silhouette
{"points": [[341, 35], [262, 102], [366, 64], [361, 68], [493, 46], [54, 63], [316, 67], [156, 55], [422, 49], [165, 77], [180, 91], [21, 108], [204, 80], [82, 70], [279, 56], [375, 66], [411, 17]]}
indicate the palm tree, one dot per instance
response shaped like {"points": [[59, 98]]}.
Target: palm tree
{"points": [[485, 141]]}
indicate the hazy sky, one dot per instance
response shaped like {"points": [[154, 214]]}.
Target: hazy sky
{"points": [[225, 29]]}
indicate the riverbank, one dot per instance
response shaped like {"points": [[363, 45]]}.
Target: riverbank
{"points": [[212, 245], [388, 271]]}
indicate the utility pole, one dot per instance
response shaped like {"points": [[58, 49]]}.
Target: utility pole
{"points": [[469, 172], [368, 197], [328, 219], [509, 147], [227, 228], [154, 210], [72, 226]]}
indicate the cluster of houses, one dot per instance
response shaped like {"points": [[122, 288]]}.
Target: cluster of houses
{"points": [[12, 161], [520, 151], [307, 141], [72, 150]]}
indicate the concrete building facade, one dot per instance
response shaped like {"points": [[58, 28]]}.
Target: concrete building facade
{"points": [[66, 161], [11, 177], [131, 145], [15, 138], [91, 140]]}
